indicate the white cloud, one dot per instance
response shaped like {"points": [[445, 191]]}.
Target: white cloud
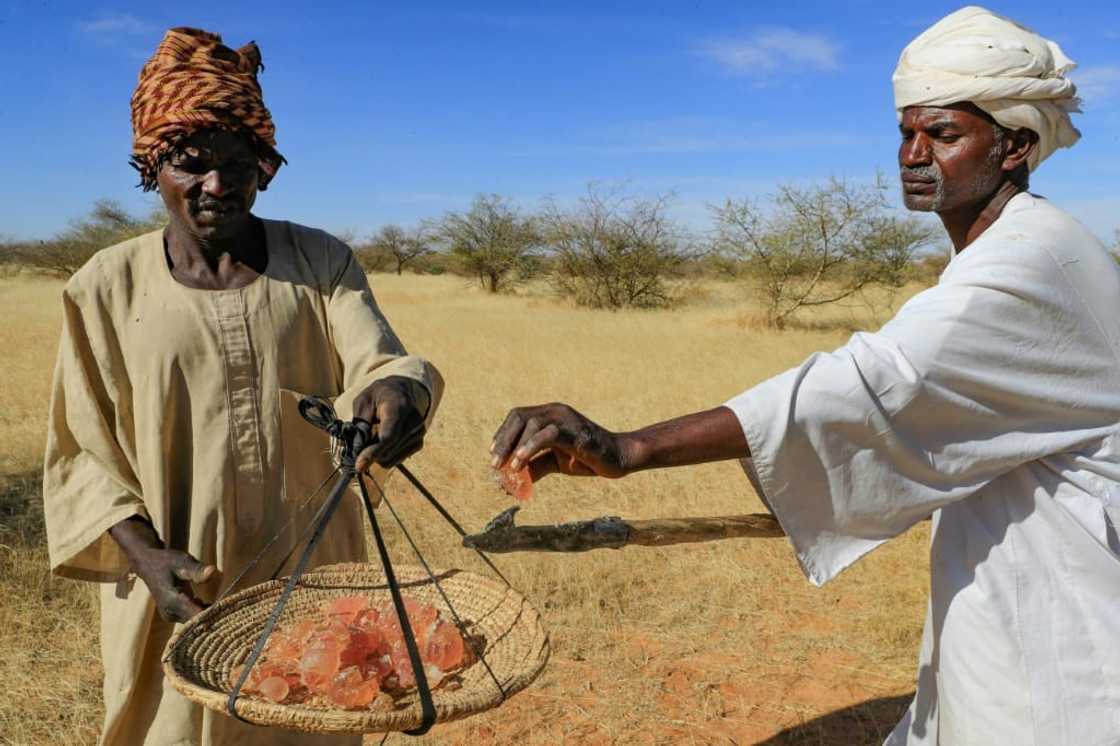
{"points": [[112, 26], [1097, 83], [773, 49]]}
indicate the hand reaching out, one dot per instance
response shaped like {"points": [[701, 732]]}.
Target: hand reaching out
{"points": [[554, 438]]}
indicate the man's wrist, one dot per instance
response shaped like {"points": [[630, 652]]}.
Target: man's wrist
{"points": [[422, 397], [136, 536], [633, 452], [711, 435]]}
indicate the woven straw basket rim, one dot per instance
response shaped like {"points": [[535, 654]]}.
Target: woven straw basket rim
{"points": [[198, 658]]}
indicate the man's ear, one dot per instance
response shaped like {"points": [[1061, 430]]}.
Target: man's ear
{"points": [[1020, 144]]}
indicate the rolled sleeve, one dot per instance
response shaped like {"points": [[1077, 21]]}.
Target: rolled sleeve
{"points": [[366, 344], [991, 369], [802, 505]]}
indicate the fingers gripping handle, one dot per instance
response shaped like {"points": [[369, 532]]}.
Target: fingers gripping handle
{"points": [[357, 435]]}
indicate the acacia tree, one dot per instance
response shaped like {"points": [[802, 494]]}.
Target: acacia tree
{"points": [[397, 247], [492, 240], [613, 251], [107, 224], [819, 245]]}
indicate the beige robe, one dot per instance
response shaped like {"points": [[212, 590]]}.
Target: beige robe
{"points": [[167, 404]]}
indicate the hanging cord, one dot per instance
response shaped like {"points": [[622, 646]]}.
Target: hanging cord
{"points": [[431, 498], [427, 707], [435, 581], [325, 515], [268, 545], [447, 517], [279, 532], [302, 538]]}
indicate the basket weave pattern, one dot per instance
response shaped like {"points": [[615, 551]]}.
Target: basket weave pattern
{"points": [[500, 621]]}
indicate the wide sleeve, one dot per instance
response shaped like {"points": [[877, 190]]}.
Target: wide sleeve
{"points": [[89, 480], [367, 346], [998, 365]]}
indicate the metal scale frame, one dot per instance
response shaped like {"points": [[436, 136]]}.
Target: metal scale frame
{"points": [[348, 439]]}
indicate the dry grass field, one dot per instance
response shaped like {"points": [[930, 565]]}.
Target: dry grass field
{"points": [[707, 643]]}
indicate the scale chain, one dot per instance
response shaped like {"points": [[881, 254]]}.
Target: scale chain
{"points": [[447, 517], [275, 537], [427, 706], [439, 587]]}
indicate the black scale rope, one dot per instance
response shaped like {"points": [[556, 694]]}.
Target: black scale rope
{"points": [[352, 437]]}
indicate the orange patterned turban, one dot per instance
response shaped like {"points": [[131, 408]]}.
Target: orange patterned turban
{"points": [[193, 81]]}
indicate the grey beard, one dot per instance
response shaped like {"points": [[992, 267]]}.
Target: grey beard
{"points": [[933, 173], [980, 180]]}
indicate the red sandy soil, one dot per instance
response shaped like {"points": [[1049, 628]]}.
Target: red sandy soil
{"points": [[691, 698]]}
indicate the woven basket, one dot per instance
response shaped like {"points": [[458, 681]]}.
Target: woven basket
{"points": [[199, 657]]}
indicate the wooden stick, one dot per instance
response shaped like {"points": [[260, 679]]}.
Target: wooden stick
{"points": [[661, 531], [612, 532]]}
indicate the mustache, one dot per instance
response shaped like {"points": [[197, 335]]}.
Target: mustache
{"points": [[229, 204], [928, 173]]}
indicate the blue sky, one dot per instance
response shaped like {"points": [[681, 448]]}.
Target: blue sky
{"points": [[392, 112]]}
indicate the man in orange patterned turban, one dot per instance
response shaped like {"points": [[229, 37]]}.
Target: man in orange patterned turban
{"points": [[175, 451], [192, 82]]}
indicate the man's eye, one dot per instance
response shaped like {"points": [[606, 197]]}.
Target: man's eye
{"points": [[943, 134], [198, 166], [190, 165]]}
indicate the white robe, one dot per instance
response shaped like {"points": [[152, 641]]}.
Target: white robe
{"points": [[992, 401]]}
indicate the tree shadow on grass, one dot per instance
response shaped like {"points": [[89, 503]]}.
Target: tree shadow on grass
{"points": [[863, 724]]}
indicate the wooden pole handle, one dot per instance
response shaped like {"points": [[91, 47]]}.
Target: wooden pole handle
{"points": [[611, 532], [662, 531]]}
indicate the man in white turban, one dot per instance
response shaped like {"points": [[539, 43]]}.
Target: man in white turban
{"points": [[990, 401], [1009, 72]]}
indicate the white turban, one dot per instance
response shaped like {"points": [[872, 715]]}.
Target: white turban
{"points": [[1009, 71]]}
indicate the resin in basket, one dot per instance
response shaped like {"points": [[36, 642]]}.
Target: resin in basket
{"points": [[201, 659], [353, 653]]}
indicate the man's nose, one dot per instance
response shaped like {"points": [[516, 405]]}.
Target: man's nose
{"points": [[915, 152], [214, 184]]}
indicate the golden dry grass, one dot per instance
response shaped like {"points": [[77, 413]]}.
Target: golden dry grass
{"points": [[48, 647], [712, 643]]}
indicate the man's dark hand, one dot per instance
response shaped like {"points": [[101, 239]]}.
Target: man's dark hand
{"points": [[397, 407], [554, 438], [168, 573]]}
